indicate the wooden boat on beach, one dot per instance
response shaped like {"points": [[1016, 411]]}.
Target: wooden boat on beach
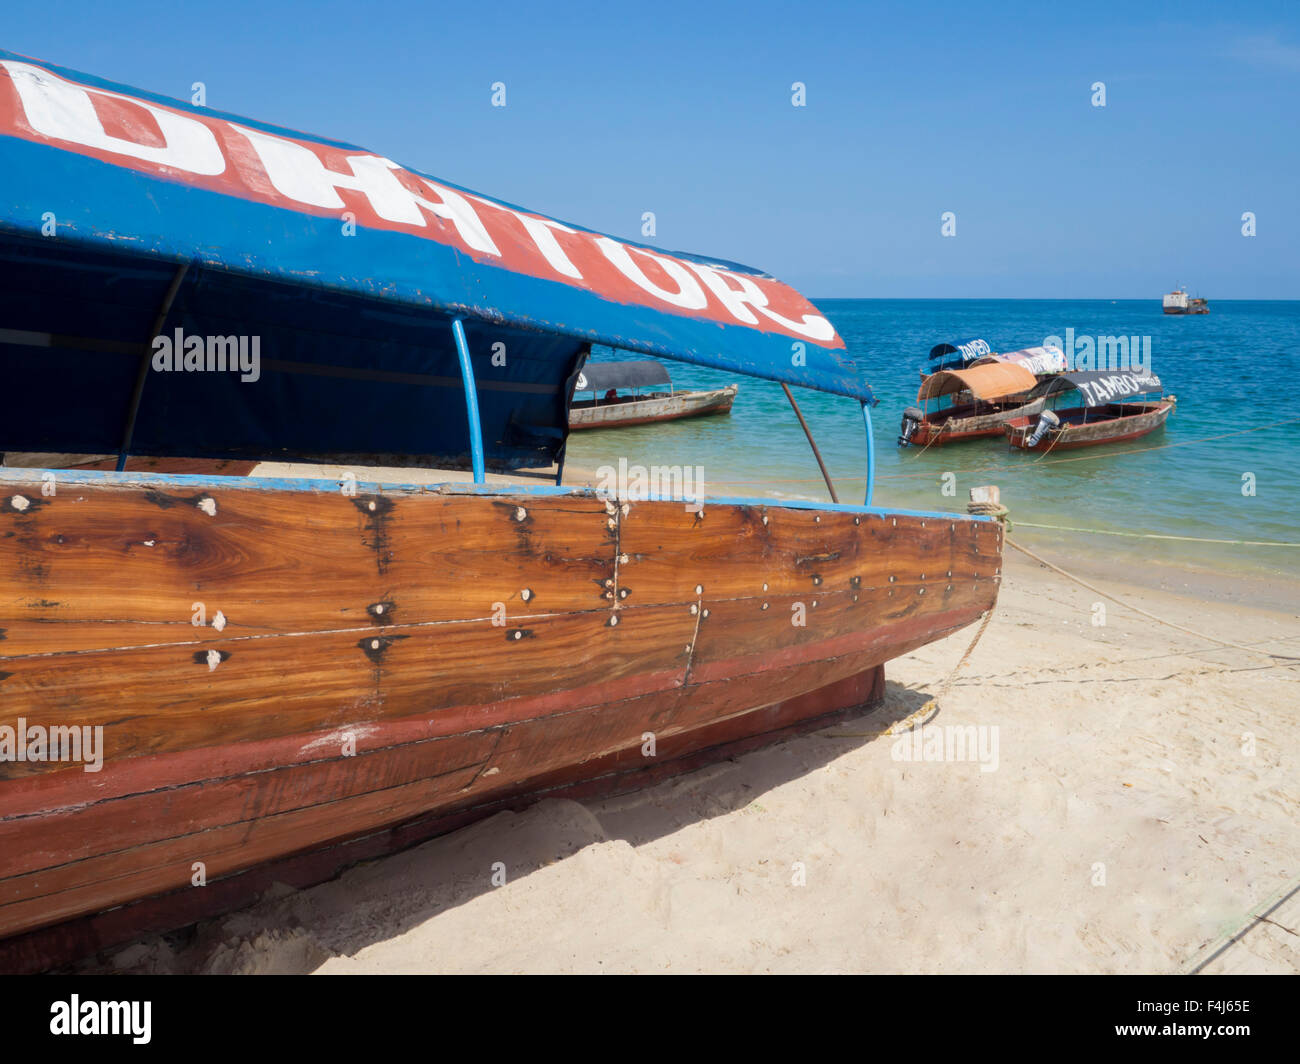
{"points": [[216, 673], [1103, 417], [611, 407], [980, 400]]}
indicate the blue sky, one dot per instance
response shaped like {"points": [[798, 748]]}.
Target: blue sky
{"points": [[684, 109]]}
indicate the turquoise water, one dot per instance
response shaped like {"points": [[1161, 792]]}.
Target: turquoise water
{"points": [[1236, 368]]}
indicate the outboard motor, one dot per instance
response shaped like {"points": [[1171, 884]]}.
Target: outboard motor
{"points": [[912, 418], [1046, 421]]}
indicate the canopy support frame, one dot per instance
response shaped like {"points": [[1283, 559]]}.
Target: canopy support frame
{"points": [[471, 400], [142, 373], [871, 453], [811, 442]]}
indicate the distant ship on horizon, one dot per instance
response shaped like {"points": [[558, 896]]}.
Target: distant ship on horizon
{"points": [[1178, 302]]}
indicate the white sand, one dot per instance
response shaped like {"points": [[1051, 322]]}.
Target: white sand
{"points": [[1119, 746]]}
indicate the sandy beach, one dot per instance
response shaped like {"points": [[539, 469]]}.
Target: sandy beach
{"points": [[1134, 800]]}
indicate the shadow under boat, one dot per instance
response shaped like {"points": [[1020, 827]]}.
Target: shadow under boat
{"points": [[447, 861]]}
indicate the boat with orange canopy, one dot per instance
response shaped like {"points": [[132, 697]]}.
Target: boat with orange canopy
{"points": [[968, 404]]}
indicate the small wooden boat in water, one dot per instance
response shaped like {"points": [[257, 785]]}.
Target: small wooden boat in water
{"points": [[1104, 416], [610, 409], [218, 673], [980, 400]]}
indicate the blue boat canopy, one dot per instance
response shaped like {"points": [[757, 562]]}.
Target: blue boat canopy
{"points": [[180, 282], [957, 354]]}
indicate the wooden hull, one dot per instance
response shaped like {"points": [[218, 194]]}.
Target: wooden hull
{"points": [[971, 426], [646, 411], [405, 656], [1118, 425]]}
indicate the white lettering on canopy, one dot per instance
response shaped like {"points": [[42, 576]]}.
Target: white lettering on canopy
{"points": [[58, 110], [813, 326], [689, 296], [298, 173], [540, 230], [1103, 389], [63, 110]]}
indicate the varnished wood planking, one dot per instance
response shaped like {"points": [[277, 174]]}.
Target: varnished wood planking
{"points": [[376, 673], [523, 752], [34, 842], [510, 756], [55, 894], [553, 691], [51, 946], [731, 552], [779, 628], [101, 567], [629, 768], [162, 699], [54, 791]]}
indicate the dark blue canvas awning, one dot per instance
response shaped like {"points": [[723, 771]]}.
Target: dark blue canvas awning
{"points": [[601, 376], [1099, 387]]}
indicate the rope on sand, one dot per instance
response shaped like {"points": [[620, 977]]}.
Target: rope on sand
{"points": [[1151, 616], [1254, 919], [931, 708], [1000, 513]]}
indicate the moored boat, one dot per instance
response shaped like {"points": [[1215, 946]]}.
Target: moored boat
{"points": [[612, 407], [1179, 302], [212, 681], [979, 402], [1104, 416], [1040, 361], [956, 354]]}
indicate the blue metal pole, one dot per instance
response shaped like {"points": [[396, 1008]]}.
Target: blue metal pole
{"points": [[871, 453], [471, 400]]}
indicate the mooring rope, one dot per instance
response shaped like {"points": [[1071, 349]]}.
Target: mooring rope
{"points": [[934, 438], [1155, 535], [1253, 919], [1138, 609], [1000, 513], [930, 709]]}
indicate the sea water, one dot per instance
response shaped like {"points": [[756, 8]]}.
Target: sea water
{"points": [[1234, 369]]}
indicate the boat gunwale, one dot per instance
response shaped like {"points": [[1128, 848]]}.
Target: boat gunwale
{"points": [[312, 485]]}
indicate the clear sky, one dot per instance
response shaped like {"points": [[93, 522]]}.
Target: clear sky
{"points": [[684, 109]]}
